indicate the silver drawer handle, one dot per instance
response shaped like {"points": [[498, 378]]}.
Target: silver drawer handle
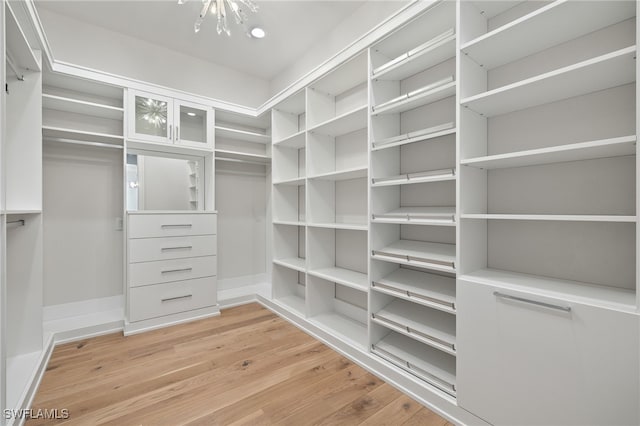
{"points": [[168, 271], [532, 302], [176, 248], [169, 299], [177, 225]]}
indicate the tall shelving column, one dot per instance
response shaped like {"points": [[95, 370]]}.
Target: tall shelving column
{"points": [[337, 203], [413, 198], [288, 124], [548, 218]]}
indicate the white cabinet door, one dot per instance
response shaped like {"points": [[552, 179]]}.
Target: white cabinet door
{"points": [[523, 363], [150, 117], [194, 125]]}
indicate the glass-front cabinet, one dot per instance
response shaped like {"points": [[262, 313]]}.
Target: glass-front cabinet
{"points": [[160, 119]]}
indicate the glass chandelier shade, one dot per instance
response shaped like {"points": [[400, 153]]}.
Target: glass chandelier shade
{"points": [[221, 9]]}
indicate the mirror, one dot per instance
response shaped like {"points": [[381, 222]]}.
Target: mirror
{"points": [[160, 181]]}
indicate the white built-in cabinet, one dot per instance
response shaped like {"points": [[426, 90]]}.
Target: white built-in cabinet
{"points": [[161, 119], [488, 173]]}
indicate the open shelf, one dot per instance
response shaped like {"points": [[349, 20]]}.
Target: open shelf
{"points": [[599, 73], [436, 256], [243, 135], [354, 173], [609, 297], [417, 136], [553, 217], [289, 289], [243, 156], [343, 326], [17, 46], [343, 124], [434, 291], [291, 182], [80, 135], [604, 148], [431, 327], [288, 222], [429, 364], [346, 277], [338, 225], [530, 34], [442, 216], [418, 177], [297, 263], [78, 106], [423, 96], [428, 54], [296, 140], [294, 304]]}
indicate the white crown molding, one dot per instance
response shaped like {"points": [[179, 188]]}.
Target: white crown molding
{"points": [[399, 18]]}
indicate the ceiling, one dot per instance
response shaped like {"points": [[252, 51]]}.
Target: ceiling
{"points": [[292, 27]]}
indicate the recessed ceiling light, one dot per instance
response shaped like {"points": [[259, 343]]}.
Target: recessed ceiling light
{"points": [[191, 114], [257, 32]]}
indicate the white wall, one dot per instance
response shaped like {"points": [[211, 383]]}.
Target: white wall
{"points": [[89, 46], [365, 18], [166, 183]]}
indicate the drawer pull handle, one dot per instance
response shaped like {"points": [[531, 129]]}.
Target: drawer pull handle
{"points": [[178, 225], [532, 302], [176, 248], [169, 299], [168, 271]]}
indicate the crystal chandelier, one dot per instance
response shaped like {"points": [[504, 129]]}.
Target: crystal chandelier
{"points": [[152, 111], [221, 8]]}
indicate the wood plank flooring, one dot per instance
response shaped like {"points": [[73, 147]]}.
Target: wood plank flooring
{"points": [[246, 367]]}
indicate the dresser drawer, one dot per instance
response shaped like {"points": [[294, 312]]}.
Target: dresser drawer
{"points": [[170, 298], [151, 249], [163, 271], [171, 225]]}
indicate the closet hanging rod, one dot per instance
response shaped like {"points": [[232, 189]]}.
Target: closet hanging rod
{"points": [[235, 160], [16, 223], [14, 68], [86, 143]]}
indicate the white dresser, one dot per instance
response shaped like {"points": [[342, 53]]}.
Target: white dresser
{"points": [[171, 268]]}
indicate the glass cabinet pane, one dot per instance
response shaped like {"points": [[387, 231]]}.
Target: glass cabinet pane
{"points": [[151, 116], [193, 124]]}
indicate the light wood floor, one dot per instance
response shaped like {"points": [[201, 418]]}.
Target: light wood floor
{"points": [[246, 367]]}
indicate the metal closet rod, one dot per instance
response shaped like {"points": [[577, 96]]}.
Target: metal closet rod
{"points": [[19, 222], [81, 142], [236, 160]]}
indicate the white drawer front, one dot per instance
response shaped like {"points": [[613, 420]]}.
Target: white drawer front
{"points": [[163, 271], [171, 225], [170, 298], [151, 249]]}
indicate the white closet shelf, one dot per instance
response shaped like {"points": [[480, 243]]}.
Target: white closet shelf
{"points": [[608, 297], [21, 211], [242, 135], [239, 155], [64, 133], [343, 124], [553, 217], [431, 327], [417, 136], [429, 364], [291, 182], [294, 304], [417, 177], [530, 34], [296, 263], [600, 73], [288, 223], [435, 256], [297, 140], [17, 45], [434, 291], [442, 216], [77, 106], [604, 148], [433, 52], [346, 277], [20, 372], [344, 327], [354, 173], [420, 97], [339, 225]]}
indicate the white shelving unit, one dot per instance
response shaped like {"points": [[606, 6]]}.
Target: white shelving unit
{"points": [[242, 138]]}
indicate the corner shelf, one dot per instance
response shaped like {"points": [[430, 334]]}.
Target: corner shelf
{"points": [[599, 73], [242, 135], [497, 47], [338, 225], [436, 256], [291, 182], [604, 148], [346, 277], [77, 106], [354, 173], [343, 124], [242, 156], [294, 304], [295, 263], [295, 140]]}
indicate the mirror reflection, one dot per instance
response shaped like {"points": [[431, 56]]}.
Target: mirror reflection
{"points": [[157, 181]]}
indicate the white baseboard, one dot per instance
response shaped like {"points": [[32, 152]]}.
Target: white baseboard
{"points": [[243, 281], [242, 290], [131, 328]]}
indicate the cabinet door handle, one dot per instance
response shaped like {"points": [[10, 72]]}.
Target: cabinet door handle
{"points": [[169, 299], [177, 133], [532, 302], [176, 248], [170, 132], [168, 271], [177, 225]]}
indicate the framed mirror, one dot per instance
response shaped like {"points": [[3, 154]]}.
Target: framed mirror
{"points": [[164, 181]]}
